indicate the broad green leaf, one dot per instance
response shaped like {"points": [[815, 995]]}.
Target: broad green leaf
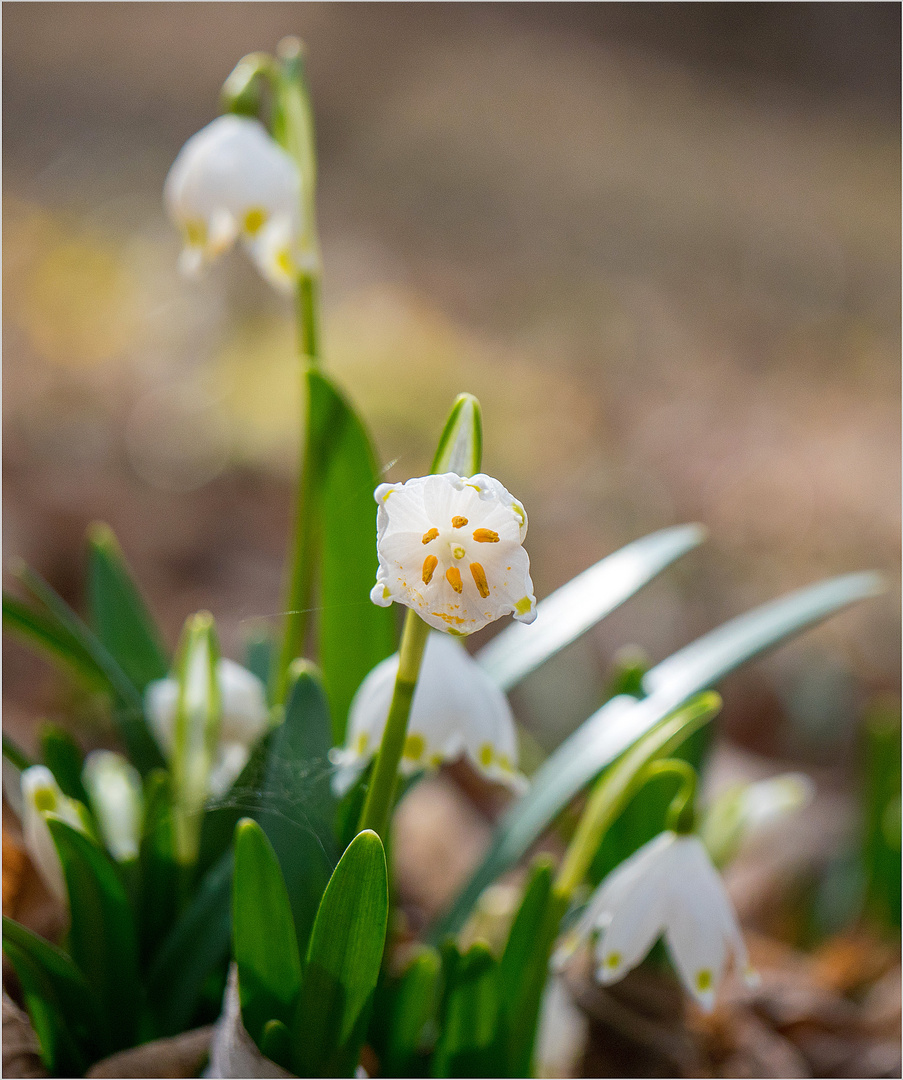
{"points": [[460, 448], [263, 933], [523, 970], [118, 613], [142, 749], [61, 1052], [195, 734], [582, 602], [45, 633], [296, 807], [197, 945], [408, 1003], [354, 633], [259, 648], [623, 720], [102, 938], [63, 756], [71, 1013], [159, 876], [343, 962], [469, 1043]]}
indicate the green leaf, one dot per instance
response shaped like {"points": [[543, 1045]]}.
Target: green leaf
{"points": [[355, 634], [297, 808], [623, 720], [118, 613], [15, 755], [196, 731], [582, 602], [263, 933], [409, 1003], [102, 938], [43, 632], [159, 873], [276, 1043], [343, 961], [63, 756], [469, 1042], [881, 840], [197, 945], [523, 971], [259, 650], [142, 749], [68, 1019], [460, 448]]}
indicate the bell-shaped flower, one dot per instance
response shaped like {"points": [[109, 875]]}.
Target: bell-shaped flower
{"points": [[40, 795], [669, 888], [117, 800], [245, 718], [451, 548], [232, 180], [457, 711]]}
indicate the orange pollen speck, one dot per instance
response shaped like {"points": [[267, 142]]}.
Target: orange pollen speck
{"points": [[453, 576], [479, 578], [486, 536], [459, 522], [429, 565], [431, 535]]}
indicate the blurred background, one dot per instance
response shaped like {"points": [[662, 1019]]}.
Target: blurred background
{"points": [[661, 243]]}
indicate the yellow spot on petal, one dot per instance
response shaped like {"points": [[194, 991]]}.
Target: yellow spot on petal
{"points": [[435, 761], [453, 577], [386, 593], [414, 746], [486, 536], [429, 565], [45, 799], [456, 633], [479, 579], [431, 535], [195, 233], [613, 960], [519, 511], [255, 218], [360, 743], [504, 762], [459, 522], [703, 980], [283, 261], [523, 605], [486, 754]]}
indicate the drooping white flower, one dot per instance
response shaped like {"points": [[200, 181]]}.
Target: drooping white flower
{"points": [[451, 548], [232, 180], [745, 810], [117, 800], [245, 718], [668, 887], [458, 711], [41, 794]]}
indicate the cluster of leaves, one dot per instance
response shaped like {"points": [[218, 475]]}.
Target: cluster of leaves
{"points": [[301, 899]]}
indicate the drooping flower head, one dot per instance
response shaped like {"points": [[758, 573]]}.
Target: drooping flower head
{"points": [[233, 180], [669, 888], [245, 718], [458, 711], [40, 795], [451, 548]]}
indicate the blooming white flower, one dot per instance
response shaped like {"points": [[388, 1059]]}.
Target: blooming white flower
{"points": [[231, 180], [668, 887], [457, 711], [117, 799], [245, 718], [451, 548], [41, 794]]}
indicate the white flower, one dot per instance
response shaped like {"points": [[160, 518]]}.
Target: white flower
{"points": [[451, 548], [668, 887], [746, 810], [41, 794], [231, 180], [245, 718], [117, 799], [457, 711]]}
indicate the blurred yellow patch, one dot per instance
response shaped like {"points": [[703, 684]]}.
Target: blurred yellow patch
{"points": [[67, 287]]}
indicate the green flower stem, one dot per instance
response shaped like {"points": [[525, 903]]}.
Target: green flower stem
{"points": [[601, 810], [383, 782]]}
